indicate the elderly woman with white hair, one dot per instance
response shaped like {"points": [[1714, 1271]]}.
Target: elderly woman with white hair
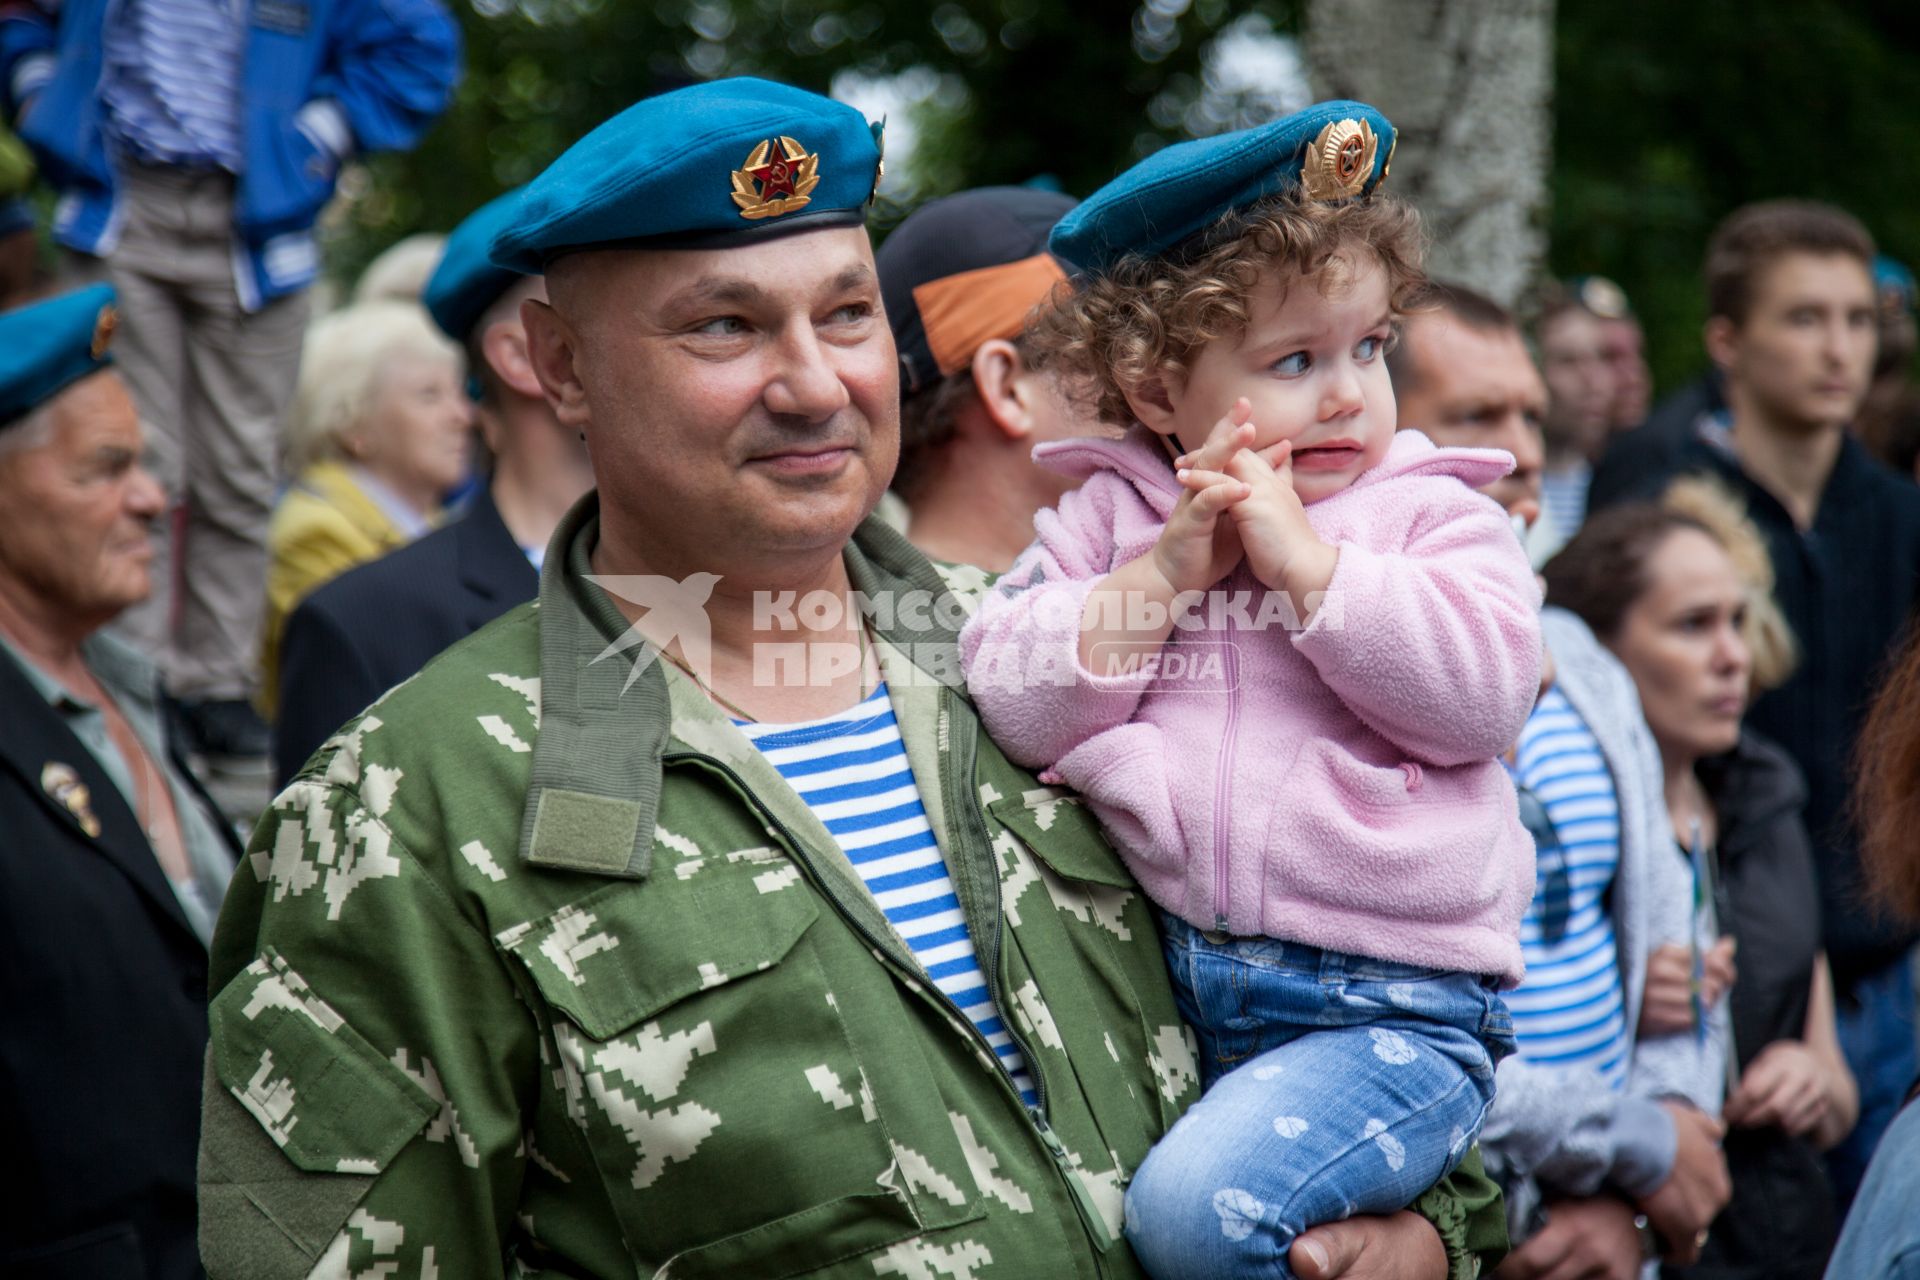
{"points": [[379, 432]]}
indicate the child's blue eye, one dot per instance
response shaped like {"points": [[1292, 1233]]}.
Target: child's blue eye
{"points": [[1292, 366], [1368, 348]]}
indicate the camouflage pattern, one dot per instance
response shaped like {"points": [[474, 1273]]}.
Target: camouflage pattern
{"points": [[432, 1057]]}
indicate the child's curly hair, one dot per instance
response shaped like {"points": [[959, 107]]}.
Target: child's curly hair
{"points": [[1147, 316]]}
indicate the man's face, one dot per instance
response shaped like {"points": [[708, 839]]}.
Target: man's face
{"points": [[1804, 354], [1580, 384], [739, 402], [1624, 347], [75, 510], [1479, 390]]}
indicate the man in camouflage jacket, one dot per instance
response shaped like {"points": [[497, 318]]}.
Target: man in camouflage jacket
{"points": [[540, 968]]}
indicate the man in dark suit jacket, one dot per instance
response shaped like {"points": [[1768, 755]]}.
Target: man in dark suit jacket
{"points": [[376, 625], [113, 862]]}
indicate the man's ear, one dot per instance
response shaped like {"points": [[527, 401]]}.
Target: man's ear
{"points": [[505, 347], [1151, 400], [1722, 339], [553, 348], [998, 379]]}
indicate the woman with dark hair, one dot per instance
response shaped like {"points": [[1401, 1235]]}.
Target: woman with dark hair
{"points": [[1661, 588], [1882, 1236]]}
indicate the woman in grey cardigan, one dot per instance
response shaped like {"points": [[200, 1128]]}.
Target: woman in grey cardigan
{"points": [[1596, 1160]]}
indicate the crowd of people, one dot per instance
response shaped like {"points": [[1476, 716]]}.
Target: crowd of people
{"points": [[1180, 744]]}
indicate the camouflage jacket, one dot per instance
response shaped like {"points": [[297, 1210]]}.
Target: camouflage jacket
{"points": [[534, 972]]}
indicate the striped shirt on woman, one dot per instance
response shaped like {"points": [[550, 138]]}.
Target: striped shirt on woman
{"points": [[851, 769]]}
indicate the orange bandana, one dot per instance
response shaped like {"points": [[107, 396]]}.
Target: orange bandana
{"points": [[961, 313]]}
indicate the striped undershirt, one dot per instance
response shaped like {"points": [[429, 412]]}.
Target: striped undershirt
{"points": [[171, 81], [851, 769], [1570, 1010]]}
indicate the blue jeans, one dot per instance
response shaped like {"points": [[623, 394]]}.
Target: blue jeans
{"points": [[1876, 1025], [1334, 1085]]}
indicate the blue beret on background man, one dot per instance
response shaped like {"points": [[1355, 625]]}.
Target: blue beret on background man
{"points": [[467, 280], [647, 177], [48, 346], [114, 862], [1332, 150]]}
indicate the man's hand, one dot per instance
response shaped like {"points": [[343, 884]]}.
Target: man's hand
{"points": [[1698, 1188], [1785, 1086], [1592, 1239], [1401, 1247], [1667, 1006]]}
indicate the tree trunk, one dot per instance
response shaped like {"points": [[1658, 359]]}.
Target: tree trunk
{"points": [[1468, 85]]}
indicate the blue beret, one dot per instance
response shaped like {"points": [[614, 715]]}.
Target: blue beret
{"points": [[466, 282], [46, 347], [1892, 276], [1330, 151], [703, 166]]}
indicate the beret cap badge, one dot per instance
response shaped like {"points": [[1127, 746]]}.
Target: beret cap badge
{"points": [[103, 327], [779, 177], [1339, 161]]}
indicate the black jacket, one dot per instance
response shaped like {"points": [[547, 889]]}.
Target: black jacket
{"points": [[1781, 1223], [379, 623], [103, 1022], [1651, 450], [1847, 586]]}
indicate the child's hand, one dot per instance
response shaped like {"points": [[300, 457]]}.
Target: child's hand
{"points": [[1281, 546], [1198, 548]]}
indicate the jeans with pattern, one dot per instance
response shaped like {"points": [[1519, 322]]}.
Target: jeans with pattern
{"points": [[1335, 1085]]}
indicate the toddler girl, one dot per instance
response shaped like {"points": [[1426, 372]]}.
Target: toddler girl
{"points": [[1279, 647]]}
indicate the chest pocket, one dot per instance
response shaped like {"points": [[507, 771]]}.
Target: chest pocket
{"points": [[1108, 993], [701, 1053]]}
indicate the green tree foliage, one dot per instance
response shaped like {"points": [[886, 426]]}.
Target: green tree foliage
{"points": [[1666, 115], [1669, 116], [1040, 87]]}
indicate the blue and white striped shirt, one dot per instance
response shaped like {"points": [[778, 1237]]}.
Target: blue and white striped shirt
{"points": [[1571, 1010], [171, 81], [851, 769]]}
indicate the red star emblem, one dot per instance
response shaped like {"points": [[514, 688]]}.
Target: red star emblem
{"points": [[776, 176]]}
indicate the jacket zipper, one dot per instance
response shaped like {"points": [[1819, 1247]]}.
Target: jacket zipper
{"points": [[1091, 1218], [1223, 783]]}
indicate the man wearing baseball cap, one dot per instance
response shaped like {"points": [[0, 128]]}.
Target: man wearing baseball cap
{"points": [[759, 959], [960, 276]]}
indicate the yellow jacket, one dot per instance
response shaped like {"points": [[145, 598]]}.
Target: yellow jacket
{"points": [[324, 525]]}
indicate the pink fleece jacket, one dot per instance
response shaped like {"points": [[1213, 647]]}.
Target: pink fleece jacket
{"points": [[1336, 785]]}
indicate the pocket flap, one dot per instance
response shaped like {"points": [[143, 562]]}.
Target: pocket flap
{"points": [[629, 950], [322, 1093], [1057, 826]]}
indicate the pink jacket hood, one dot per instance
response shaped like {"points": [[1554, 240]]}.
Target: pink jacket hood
{"points": [[1335, 784]]}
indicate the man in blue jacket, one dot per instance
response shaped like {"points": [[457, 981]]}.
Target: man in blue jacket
{"points": [[193, 143]]}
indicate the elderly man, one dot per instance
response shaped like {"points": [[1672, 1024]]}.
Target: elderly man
{"points": [[374, 626], [759, 960], [1600, 1134], [113, 865]]}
